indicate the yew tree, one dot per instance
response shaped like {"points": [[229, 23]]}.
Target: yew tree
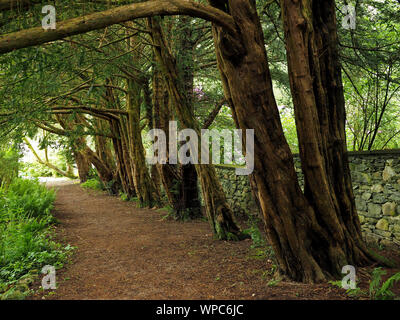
{"points": [[313, 233]]}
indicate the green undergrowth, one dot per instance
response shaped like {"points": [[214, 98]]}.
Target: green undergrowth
{"points": [[93, 184], [378, 289], [27, 235]]}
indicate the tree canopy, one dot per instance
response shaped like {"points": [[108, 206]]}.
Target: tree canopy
{"points": [[113, 70]]}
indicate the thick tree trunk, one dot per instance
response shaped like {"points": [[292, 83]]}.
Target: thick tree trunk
{"points": [[148, 106], [105, 173], [124, 167], [144, 186], [305, 247], [179, 182], [102, 145], [146, 191], [220, 215], [185, 63], [83, 166], [190, 191], [317, 90], [169, 173]]}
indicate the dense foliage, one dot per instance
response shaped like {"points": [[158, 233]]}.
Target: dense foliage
{"points": [[281, 68], [26, 235]]}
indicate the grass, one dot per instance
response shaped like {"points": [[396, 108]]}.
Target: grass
{"points": [[26, 236]]}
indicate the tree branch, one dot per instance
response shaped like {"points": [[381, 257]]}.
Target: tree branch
{"points": [[100, 20]]}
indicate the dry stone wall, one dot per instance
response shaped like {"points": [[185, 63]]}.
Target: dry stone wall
{"points": [[376, 184]]}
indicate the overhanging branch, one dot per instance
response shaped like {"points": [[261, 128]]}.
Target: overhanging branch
{"points": [[99, 20]]}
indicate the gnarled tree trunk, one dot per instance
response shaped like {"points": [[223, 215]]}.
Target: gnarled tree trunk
{"points": [[305, 248], [317, 91], [145, 188], [83, 166], [220, 215]]}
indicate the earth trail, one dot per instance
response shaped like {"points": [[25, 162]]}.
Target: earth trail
{"points": [[124, 252]]}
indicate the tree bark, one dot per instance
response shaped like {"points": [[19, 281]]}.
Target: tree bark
{"points": [[144, 185], [220, 215], [83, 166], [169, 173], [124, 166], [105, 173], [305, 248], [317, 91], [185, 64], [100, 20]]}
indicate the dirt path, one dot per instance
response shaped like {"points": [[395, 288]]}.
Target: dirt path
{"points": [[128, 253]]}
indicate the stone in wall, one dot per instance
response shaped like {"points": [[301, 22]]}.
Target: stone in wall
{"points": [[376, 177], [376, 184]]}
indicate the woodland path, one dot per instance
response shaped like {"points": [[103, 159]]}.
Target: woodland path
{"points": [[128, 253]]}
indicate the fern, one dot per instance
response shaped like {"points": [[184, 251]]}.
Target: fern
{"points": [[376, 279], [384, 292]]}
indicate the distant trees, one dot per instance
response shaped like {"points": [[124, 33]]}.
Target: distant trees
{"points": [[371, 64]]}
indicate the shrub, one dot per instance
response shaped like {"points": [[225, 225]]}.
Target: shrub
{"points": [[26, 236], [36, 170], [29, 198], [93, 184]]}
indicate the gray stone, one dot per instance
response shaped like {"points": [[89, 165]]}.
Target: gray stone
{"points": [[377, 188], [396, 228], [397, 235], [371, 238], [388, 173], [383, 225], [389, 209], [366, 196], [395, 197], [396, 161], [386, 234], [387, 243], [361, 167], [388, 188], [361, 205], [374, 210], [366, 178], [379, 198], [377, 175], [360, 177], [371, 221]]}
